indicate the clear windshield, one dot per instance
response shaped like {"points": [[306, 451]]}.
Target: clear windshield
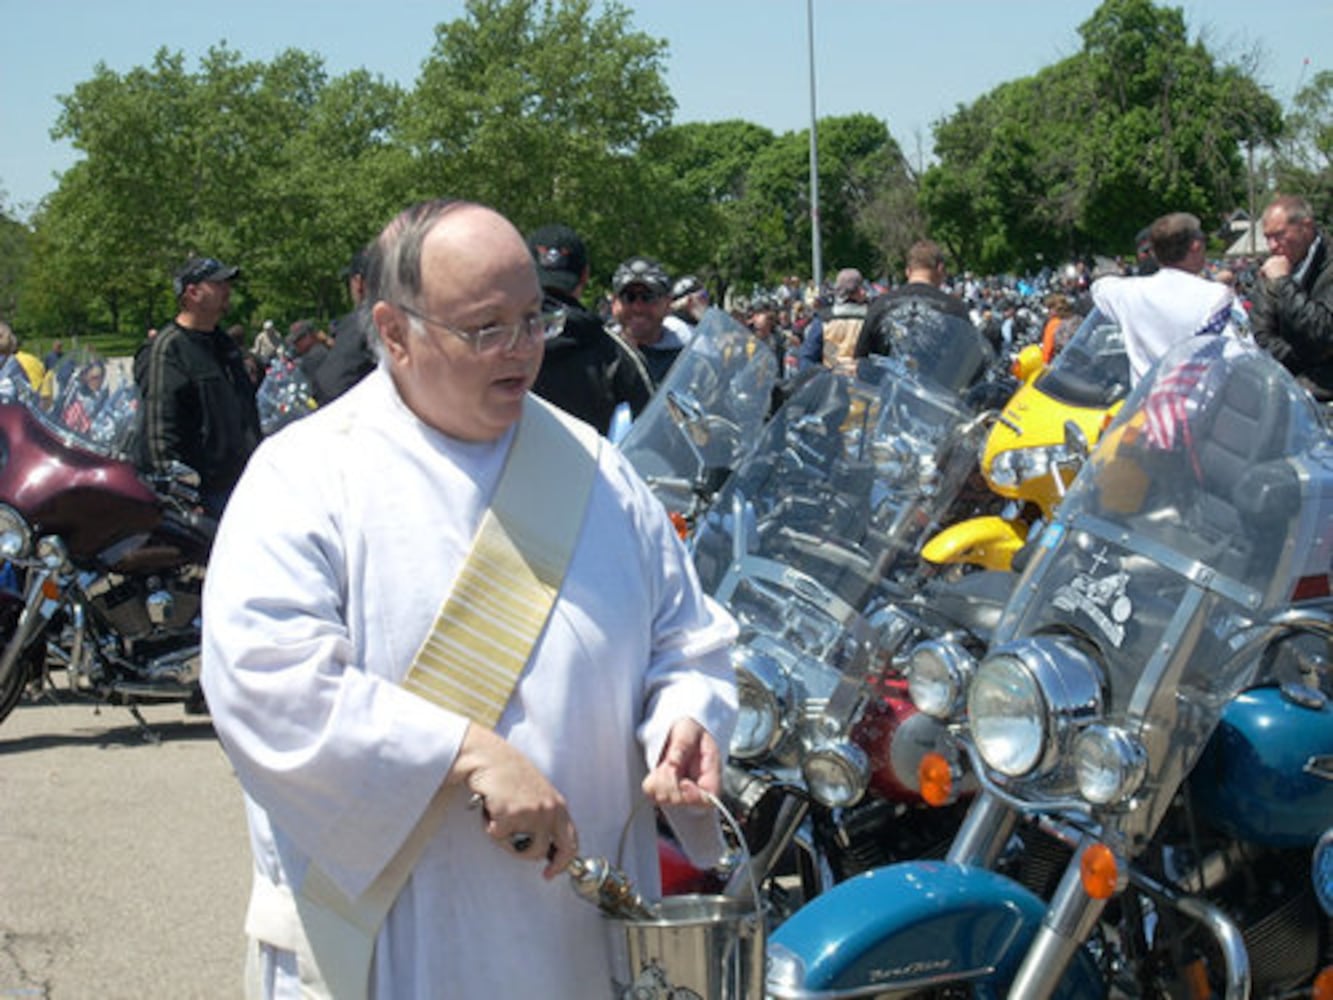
{"points": [[1201, 510], [847, 479], [945, 350], [707, 413], [89, 403], [284, 395], [1093, 369]]}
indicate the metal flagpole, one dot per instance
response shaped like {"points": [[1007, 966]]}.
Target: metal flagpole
{"points": [[816, 253]]}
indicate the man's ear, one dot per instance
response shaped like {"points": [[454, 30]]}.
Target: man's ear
{"points": [[393, 328]]}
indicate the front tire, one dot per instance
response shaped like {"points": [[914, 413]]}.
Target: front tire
{"points": [[29, 663]]}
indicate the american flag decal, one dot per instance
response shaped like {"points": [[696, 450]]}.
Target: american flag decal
{"points": [[1177, 395]]}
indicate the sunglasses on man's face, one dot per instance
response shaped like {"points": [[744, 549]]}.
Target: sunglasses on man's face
{"points": [[632, 295]]}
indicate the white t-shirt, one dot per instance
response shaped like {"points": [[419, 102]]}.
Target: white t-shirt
{"points": [[1158, 310]]}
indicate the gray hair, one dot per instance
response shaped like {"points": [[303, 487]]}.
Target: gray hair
{"points": [[1294, 207], [393, 265]]}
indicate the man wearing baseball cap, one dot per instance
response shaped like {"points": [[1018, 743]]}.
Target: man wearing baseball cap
{"points": [[641, 301], [689, 300], [586, 371], [198, 404]]}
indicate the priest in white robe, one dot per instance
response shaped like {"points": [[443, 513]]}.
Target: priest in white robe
{"points": [[336, 551]]}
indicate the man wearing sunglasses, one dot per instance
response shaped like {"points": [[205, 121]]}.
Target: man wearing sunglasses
{"points": [[641, 303]]}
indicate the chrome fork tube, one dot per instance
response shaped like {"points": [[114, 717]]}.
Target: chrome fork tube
{"points": [[985, 830], [1068, 922], [77, 664]]}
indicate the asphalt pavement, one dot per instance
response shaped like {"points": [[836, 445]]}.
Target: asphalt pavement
{"points": [[124, 864]]}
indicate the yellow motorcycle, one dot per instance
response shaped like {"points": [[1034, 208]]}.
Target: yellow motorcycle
{"points": [[1027, 458]]}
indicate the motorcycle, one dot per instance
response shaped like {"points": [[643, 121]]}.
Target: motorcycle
{"points": [[284, 395], [810, 545], [103, 568], [1151, 730], [703, 417], [1025, 460]]}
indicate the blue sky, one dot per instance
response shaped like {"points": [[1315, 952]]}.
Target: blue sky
{"points": [[907, 62]]}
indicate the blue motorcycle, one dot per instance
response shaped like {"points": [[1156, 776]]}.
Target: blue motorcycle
{"points": [[1151, 730]]}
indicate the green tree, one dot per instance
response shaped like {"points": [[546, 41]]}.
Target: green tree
{"points": [[272, 166], [539, 109], [1166, 121], [1304, 159], [870, 217], [1080, 156], [751, 190], [15, 238], [708, 164], [1013, 188]]}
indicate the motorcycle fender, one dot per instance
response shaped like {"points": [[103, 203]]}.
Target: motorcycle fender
{"points": [[989, 542], [911, 926]]}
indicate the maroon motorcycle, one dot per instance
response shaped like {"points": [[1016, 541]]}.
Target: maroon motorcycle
{"points": [[103, 567]]}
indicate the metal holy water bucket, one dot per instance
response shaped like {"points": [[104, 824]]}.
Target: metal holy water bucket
{"points": [[698, 946]]}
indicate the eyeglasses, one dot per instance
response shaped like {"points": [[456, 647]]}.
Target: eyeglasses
{"points": [[644, 296], [502, 336], [1279, 233]]}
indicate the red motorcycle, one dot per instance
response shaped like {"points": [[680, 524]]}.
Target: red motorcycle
{"points": [[103, 568]]}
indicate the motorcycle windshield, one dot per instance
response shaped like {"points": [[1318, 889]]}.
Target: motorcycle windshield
{"points": [[1092, 370], [845, 480], [1201, 511], [706, 413], [284, 395], [945, 351], [14, 384], [82, 401], [93, 405]]}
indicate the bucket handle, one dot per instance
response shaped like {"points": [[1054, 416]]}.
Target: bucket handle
{"points": [[730, 825]]}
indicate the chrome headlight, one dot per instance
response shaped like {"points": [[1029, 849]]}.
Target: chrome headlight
{"points": [[837, 773], [1018, 465], [763, 692], [1003, 471], [938, 671], [1321, 870], [15, 535], [52, 552], [1027, 700], [1109, 764]]}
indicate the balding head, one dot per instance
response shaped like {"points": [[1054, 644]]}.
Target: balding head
{"points": [[444, 270]]}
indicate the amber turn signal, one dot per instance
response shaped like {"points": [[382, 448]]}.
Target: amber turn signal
{"points": [[681, 525], [1100, 871], [1323, 985], [51, 589], [935, 776]]}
